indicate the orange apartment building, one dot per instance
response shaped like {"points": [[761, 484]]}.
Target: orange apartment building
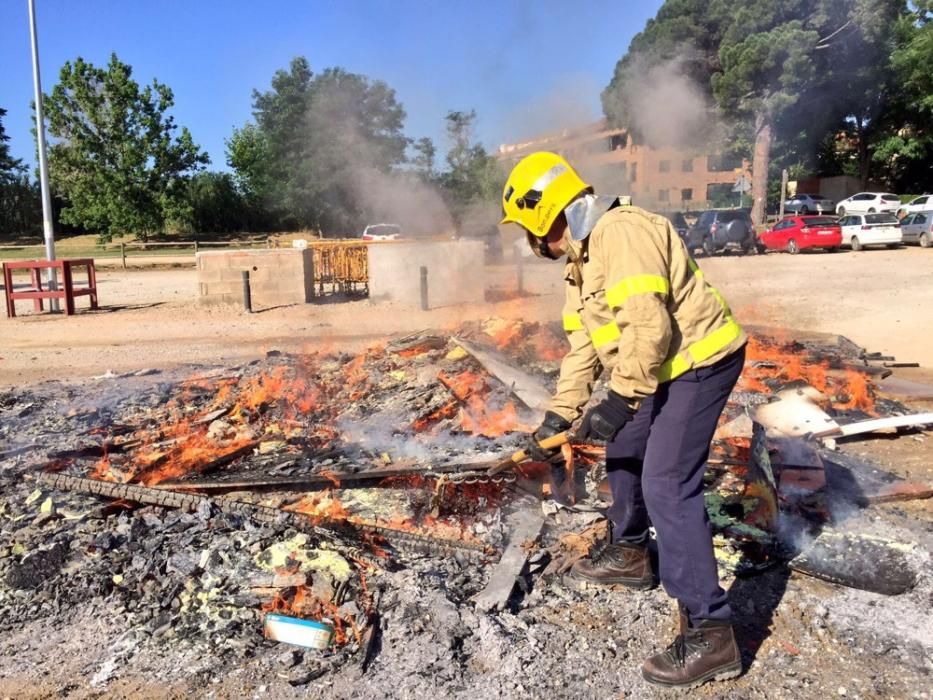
{"points": [[663, 179]]}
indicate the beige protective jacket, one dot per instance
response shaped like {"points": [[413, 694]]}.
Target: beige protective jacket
{"points": [[637, 305]]}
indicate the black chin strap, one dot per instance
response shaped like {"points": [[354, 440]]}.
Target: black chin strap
{"points": [[539, 246]]}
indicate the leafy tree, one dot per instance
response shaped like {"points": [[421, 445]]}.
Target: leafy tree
{"points": [[116, 155], [217, 206], [424, 159], [785, 72], [20, 203], [316, 138], [9, 166], [472, 176], [903, 143], [248, 153], [353, 127]]}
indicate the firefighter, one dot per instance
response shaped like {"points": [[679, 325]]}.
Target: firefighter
{"points": [[638, 307]]}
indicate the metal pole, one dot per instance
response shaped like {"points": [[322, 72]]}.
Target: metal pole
{"points": [[123, 254], [424, 288], [247, 295], [43, 164], [783, 193]]}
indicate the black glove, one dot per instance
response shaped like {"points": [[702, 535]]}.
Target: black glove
{"points": [[551, 425], [605, 419]]}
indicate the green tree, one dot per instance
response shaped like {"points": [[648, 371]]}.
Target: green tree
{"points": [[20, 203], [353, 128], [9, 166], [217, 206], [789, 70], [472, 175], [316, 138], [116, 155], [423, 162], [248, 153], [903, 144]]}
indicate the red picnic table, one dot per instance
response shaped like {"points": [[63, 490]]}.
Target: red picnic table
{"points": [[66, 287]]}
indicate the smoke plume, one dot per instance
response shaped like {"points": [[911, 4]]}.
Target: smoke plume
{"points": [[663, 105]]}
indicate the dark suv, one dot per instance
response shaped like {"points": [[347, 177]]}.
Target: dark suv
{"points": [[718, 230]]}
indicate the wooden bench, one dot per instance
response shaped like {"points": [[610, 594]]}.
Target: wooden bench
{"points": [[66, 287]]}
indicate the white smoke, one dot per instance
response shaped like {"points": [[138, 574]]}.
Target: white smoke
{"points": [[665, 105]]}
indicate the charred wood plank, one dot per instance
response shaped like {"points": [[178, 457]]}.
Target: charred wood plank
{"points": [[525, 526], [338, 533], [526, 387], [14, 451], [331, 480], [857, 561]]}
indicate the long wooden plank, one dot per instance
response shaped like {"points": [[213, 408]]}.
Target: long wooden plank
{"points": [[528, 388], [869, 426], [330, 480], [524, 526]]}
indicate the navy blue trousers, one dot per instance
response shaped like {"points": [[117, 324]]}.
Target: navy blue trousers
{"points": [[655, 467]]}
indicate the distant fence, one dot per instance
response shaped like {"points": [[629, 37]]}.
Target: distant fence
{"points": [[127, 251]]}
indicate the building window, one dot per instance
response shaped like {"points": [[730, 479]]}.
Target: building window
{"points": [[664, 166], [687, 165], [686, 194], [623, 170], [634, 175], [618, 141], [721, 163], [664, 195], [719, 194]]}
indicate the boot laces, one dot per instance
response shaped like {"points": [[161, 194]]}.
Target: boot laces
{"points": [[600, 552], [684, 645]]}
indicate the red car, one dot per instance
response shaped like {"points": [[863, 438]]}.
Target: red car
{"points": [[794, 233]]}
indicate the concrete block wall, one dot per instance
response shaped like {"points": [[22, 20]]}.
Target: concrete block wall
{"points": [[456, 272], [276, 277]]}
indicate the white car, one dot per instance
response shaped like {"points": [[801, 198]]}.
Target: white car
{"points": [[869, 203], [918, 228], [860, 230], [382, 232], [804, 204], [921, 203]]}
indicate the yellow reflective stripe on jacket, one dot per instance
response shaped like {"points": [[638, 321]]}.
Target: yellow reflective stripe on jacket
{"points": [[617, 294], [701, 350], [605, 334], [698, 273], [573, 322]]}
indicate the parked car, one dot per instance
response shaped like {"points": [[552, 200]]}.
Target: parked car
{"points": [[679, 223], [921, 203], [804, 204], [860, 230], [382, 232], [869, 203], [796, 233], [918, 228], [718, 230]]}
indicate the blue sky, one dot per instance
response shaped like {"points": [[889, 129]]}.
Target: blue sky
{"points": [[525, 66]]}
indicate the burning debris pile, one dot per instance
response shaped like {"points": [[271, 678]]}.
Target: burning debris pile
{"points": [[307, 497]]}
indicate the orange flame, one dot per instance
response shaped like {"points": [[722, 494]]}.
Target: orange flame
{"points": [[782, 363]]}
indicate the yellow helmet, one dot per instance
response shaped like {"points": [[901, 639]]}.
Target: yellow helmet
{"points": [[538, 189]]}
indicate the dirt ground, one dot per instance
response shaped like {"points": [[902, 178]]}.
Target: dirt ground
{"points": [[817, 646], [151, 318]]}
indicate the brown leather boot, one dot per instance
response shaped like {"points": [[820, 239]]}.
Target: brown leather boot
{"points": [[702, 652], [620, 563]]}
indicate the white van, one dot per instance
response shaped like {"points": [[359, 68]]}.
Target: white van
{"points": [[860, 230]]}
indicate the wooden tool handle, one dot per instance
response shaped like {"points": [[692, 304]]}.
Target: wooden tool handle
{"points": [[546, 444]]}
